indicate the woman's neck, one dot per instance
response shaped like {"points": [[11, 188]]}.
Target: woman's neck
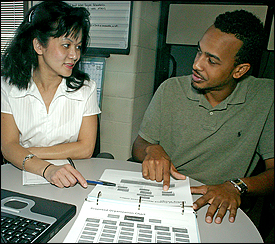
{"points": [[46, 81]]}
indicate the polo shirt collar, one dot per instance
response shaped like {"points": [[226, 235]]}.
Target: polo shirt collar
{"points": [[238, 96]]}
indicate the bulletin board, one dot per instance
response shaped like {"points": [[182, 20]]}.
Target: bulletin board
{"points": [[110, 31], [110, 26]]}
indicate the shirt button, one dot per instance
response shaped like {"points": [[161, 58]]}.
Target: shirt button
{"points": [[211, 113]]}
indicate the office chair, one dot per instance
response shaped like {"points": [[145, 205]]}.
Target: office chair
{"points": [[97, 153], [263, 204]]}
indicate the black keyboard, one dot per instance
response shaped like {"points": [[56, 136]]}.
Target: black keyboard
{"points": [[18, 229]]}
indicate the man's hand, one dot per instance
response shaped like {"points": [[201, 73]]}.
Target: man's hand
{"points": [[157, 166], [64, 176], [221, 198]]}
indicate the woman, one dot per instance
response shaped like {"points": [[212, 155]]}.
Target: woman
{"points": [[48, 106]]}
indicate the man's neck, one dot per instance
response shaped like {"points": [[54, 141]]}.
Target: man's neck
{"points": [[217, 96]]}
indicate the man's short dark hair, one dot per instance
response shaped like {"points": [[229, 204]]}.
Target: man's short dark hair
{"points": [[249, 29]]}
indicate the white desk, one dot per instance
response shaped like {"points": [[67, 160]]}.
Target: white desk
{"points": [[242, 230]]}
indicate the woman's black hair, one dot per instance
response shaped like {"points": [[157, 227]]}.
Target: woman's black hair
{"points": [[249, 29], [44, 20]]}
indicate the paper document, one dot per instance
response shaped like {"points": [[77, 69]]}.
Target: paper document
{"points": [[34, 179], [136, 210]]}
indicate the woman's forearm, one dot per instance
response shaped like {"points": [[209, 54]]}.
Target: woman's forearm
{"points": [[74, 150], [34, 165]]}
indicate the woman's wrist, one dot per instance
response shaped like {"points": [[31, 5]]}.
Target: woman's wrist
{"points": [[43, 174]]}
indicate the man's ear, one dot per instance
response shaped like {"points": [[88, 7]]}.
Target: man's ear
{"points": [[37, 46], [240, 70]]}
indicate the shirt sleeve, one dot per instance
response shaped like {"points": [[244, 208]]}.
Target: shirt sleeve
{"points": [[91, 106], [266, 143], [5, 105], [150, 126]]}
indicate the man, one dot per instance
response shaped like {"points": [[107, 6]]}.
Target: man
{"points": [[215, 124]]}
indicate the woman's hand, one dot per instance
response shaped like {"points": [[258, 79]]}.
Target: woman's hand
{"points": [[64, 176]]}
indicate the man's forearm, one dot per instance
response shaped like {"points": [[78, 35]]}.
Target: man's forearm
{"points": [[139, 147], [263, 183]]}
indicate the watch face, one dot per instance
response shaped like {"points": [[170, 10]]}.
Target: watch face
{"points": [[238, 183]]}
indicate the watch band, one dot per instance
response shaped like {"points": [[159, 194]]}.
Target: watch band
{"points": [[240, 185]]}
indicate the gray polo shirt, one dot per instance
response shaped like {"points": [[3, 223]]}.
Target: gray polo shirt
{"points": [[209, 144]]}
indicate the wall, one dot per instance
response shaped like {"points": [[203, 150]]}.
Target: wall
{"points": [[128, 83], [200, 17]]}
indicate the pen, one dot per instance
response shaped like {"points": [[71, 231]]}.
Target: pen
{"points": [[71, 162], [105, 183], [101, 182]]}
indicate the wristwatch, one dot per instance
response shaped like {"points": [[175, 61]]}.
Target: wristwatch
{"points": [[240, 185]]}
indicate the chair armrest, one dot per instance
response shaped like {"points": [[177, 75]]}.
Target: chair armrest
{"points": [[105, 155]]}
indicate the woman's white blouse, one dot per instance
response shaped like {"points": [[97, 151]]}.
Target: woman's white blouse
{"points": [[61, 124]]}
